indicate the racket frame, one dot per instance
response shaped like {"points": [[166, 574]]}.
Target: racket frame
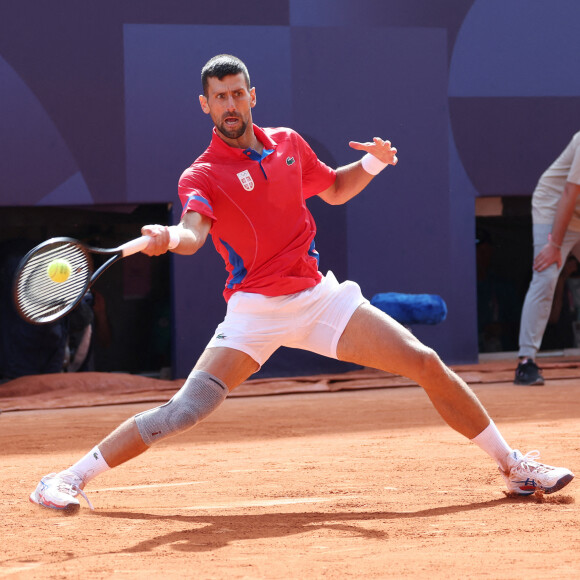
{"points": [[127, 249]]}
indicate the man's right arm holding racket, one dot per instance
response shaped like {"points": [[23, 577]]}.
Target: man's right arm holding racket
{"points": [[192, 231]]}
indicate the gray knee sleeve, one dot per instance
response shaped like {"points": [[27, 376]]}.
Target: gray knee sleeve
{"points": [[201, 394]]}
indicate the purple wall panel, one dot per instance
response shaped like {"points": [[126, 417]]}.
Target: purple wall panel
{"points": [[99, 106]]}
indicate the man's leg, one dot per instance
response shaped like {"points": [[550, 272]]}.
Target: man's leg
{"points": [[538, 301], [538, 305], [231, 366], [373, 339], [223, 366]]}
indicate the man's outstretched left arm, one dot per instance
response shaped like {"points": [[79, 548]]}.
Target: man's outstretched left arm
{"points": [[352, 179]]}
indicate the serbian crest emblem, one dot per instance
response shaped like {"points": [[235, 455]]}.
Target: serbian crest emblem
{"points": [[246, 180]]}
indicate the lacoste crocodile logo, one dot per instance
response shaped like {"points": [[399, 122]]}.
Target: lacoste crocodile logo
{"points": [[290, 160]]}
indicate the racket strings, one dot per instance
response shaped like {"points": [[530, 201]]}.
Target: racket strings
{"points": [[38, 296]]}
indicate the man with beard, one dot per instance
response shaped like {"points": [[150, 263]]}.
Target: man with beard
{"points": [[248, 190]]}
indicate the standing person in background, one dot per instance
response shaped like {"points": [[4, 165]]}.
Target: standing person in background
{"points": [[556, 231], [88, 326]]}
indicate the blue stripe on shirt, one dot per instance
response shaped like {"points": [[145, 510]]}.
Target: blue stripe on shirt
{"points": [[195, 197], [239, 271]]}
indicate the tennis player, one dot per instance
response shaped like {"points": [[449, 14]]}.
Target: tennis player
{"points": [[248, 190]]}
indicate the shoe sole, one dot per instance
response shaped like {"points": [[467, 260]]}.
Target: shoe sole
{"points": [[536, 383], [68, 510], [562, 482]]}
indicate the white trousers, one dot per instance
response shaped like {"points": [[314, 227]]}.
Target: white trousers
{"points": [[538, 302]]}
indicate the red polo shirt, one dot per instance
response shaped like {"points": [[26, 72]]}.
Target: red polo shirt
{"points": [[261, 225]]}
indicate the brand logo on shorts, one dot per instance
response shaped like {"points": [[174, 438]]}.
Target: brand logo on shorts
{"points": [[246, 180], [290, 160], [221, 336]]}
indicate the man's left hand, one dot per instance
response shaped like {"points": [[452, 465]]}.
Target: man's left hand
{"points": [[382, 150]]}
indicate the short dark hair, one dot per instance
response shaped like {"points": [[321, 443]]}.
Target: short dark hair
{"points": [[221, 66]]}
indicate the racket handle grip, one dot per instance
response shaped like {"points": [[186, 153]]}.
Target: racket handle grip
{"points": [[138, 244]]}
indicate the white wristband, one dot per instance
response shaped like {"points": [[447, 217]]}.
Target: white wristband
{"points": [[173, 238], [372, 165]]}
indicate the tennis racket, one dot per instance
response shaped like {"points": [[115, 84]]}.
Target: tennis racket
{"points": [[40, 299]]}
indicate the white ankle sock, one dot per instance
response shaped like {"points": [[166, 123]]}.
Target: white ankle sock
{"points": [[492, 442], [91, 465]]}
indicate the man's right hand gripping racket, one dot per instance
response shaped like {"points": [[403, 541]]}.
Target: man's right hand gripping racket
{"points": [[53, 277]]}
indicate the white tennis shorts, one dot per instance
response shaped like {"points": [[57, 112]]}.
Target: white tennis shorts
{"points": [[313, 320]]}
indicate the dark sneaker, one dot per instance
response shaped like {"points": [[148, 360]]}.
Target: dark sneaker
{"points": [[528, 373]]}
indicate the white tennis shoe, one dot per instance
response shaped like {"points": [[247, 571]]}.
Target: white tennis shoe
{"points": [[525, 475], [59, 491]]}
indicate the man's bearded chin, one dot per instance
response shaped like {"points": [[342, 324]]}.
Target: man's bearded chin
{"points": [[232, 133]]}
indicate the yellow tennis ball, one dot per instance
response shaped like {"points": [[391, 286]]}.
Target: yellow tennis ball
{"points": [[59, 271]]}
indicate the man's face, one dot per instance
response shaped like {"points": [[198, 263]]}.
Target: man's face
{"points": [[229, 102]]}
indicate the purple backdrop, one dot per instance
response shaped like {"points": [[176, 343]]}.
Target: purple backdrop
{"points": [[99, 108]]}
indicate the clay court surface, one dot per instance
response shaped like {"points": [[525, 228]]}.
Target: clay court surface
{"points": [[354, 478]]}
